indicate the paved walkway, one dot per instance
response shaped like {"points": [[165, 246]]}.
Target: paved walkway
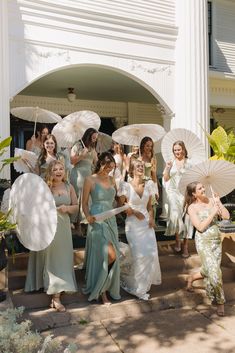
{"points": [[191, 330]]}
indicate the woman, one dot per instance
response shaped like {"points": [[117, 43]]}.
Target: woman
{"points": [[150, 166], [140, 234], [35, 144], [171, 177], [84, 158], [102, 248], [120, 159], [56, 274], [203, 213]]}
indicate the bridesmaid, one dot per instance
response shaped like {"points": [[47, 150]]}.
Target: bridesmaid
{"points": [[203, 213], [57, 273], [35, 144], [150, 166], [83, 158], [102, 247], [172, 175]]}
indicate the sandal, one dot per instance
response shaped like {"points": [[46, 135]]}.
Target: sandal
{"points": [[220, 310], [185, 256], [57, 305], [189, 287]]}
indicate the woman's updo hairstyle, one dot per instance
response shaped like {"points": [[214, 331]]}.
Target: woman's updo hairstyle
{"points": [[104, 159]]}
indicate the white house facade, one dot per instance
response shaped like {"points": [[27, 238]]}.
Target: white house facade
{"points": [[168, 47]]}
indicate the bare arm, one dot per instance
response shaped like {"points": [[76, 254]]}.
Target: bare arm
{"points": [[151, 214], [166, 171], [154, 169], [201, 226], [77, 157], [223, 212], [85, 198]]}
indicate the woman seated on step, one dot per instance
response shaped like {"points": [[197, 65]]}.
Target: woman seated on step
{"points": [[203, 213], [143, 269]]}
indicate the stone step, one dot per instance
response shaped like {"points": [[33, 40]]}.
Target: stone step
{"points": [[78, 312], [171, 281], [20, 261]]}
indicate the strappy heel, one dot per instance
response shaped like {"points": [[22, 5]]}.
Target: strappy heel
{"points": [[57, 305]]}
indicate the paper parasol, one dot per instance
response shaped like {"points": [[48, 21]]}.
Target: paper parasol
{"points": [[36, 114], [218, 175], [108, 214], [19, 165], [133, 134], [104, 142], [73, 126], [194, 147], [34, 210]]}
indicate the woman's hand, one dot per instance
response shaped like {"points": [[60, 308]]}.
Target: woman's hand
{"points": [[168, 165], [62, 209], [90, 219], [139, 215]]}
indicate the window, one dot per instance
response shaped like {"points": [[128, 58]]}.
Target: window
{"points": [[209, 9]]}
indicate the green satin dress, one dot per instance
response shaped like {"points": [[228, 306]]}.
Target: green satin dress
{"points": [[208, 245], [53, 269], [101, 277]]}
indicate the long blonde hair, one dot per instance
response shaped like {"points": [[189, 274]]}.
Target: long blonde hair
{"points": [[49, 171]]}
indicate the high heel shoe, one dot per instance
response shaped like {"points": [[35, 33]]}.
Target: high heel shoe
{"points": [[105, 300], [57, 305]]}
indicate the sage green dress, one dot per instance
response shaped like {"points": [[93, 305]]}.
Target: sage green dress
{"points": [[78, 174], [101, 277], [53, 269], [208, 245]]}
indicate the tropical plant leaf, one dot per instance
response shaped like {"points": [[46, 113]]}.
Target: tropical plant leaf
{"points": [[220, 137], [5, 143]]}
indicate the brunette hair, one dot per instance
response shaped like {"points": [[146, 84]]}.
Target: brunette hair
{"points": [[49, 171], [143, 143], [104, 159], [43, 154], [189, 197], [182, 145], [86, 138]]}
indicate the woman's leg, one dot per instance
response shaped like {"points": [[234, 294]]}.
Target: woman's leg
{"points": [[111, 259], [177, 243], [193, 277], [185, 248]]}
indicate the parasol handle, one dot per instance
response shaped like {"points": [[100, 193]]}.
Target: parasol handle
{"points": [[213, 193], [83, 144], [35, 121]]}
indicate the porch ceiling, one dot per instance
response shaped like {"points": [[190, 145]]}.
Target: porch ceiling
{"points": [[90, 83]]}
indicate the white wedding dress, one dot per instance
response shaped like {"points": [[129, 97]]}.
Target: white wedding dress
{"points": [[139, 262]]}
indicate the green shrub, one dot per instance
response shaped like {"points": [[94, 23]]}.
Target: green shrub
{"points": [[17, 337]]}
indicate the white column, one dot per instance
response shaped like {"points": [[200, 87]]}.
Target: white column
{"points": [[167, 118], [4, 80], [191, 91]]}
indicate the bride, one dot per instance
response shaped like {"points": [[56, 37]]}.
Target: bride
{"points": [[144, 268]]}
